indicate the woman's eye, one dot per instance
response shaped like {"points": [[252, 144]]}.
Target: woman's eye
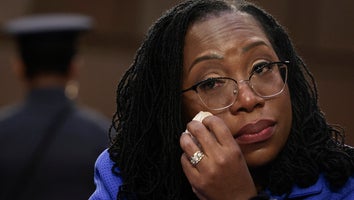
{"points": [[210, 84], [261, 68]]}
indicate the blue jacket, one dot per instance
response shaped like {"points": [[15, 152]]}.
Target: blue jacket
{"points": [[65, 167], [107, 185]]}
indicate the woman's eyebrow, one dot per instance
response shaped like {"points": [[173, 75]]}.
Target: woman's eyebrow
{"points": [[210, 56], [253, 45]]}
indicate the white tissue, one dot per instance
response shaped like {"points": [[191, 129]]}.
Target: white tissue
{"points": [[201, 115]]}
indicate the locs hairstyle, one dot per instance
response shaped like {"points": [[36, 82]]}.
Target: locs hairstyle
{"points": [[147, 123]]}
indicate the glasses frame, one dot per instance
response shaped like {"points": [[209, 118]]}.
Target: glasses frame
{"points": [[195, 86]]}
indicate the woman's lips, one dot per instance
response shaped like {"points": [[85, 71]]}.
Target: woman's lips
{"points": [[255, 132]]}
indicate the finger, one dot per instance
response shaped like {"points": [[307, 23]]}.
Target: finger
{"points": [[199, 195], [192, 173], [205, 139], [192, 151], [189, 144]]}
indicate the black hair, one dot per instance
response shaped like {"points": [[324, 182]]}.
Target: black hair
{"points": [[148, 120], [47, 52]]}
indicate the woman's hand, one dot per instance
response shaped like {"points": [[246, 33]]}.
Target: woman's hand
{"points": [[222, 173]]}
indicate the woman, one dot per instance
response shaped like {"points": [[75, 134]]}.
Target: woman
{"points": [[267, 136]]}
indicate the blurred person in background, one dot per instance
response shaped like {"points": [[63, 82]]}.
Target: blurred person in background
{"points": [[48, 143]]}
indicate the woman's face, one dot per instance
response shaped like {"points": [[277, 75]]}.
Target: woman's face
{"points": [[230, 45]]}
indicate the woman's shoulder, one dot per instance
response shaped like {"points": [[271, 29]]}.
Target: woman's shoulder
{"points": [[328, 192], [104, 166], [104, 161], [107, 182], [347, 191], [321, 190]]}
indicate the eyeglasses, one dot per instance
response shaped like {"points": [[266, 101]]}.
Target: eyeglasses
{"points": [[266, 80]]}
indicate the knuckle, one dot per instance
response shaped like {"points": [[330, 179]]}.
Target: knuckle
{"points": [[196, 128], [221, 160], [186, 142]]}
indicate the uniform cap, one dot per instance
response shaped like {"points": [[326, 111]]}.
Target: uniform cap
{"points": [[47, 42], [48, 23]]}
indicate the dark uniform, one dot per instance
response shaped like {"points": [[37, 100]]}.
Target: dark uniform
{"points": [[48, 144]]}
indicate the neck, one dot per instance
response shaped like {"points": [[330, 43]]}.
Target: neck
{"points": [[43, 81], [260, 176]]}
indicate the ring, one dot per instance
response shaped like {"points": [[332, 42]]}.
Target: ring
{"points": [[196, 158]]}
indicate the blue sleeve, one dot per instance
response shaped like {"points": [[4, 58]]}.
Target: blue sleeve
{"points": [[106, 182]]}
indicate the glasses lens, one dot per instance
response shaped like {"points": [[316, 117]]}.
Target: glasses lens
{"points": [[269, 80], [266, 81], [217, 93]]}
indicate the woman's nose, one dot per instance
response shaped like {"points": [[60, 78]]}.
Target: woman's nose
{"points": [[247, 100]]}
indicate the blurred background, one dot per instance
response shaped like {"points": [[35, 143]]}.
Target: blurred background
{"points": [[322, 31]]}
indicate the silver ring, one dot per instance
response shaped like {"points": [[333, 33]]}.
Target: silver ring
{"points": [[196, 158]]}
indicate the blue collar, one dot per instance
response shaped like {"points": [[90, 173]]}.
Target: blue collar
{"points": [[308, 191], [298, 192]]}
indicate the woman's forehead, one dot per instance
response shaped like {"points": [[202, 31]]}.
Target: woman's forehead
{"points": [[225, 25], [223, 32]]}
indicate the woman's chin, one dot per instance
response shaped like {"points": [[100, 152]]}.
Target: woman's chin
{"points": [[259, 158]]}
